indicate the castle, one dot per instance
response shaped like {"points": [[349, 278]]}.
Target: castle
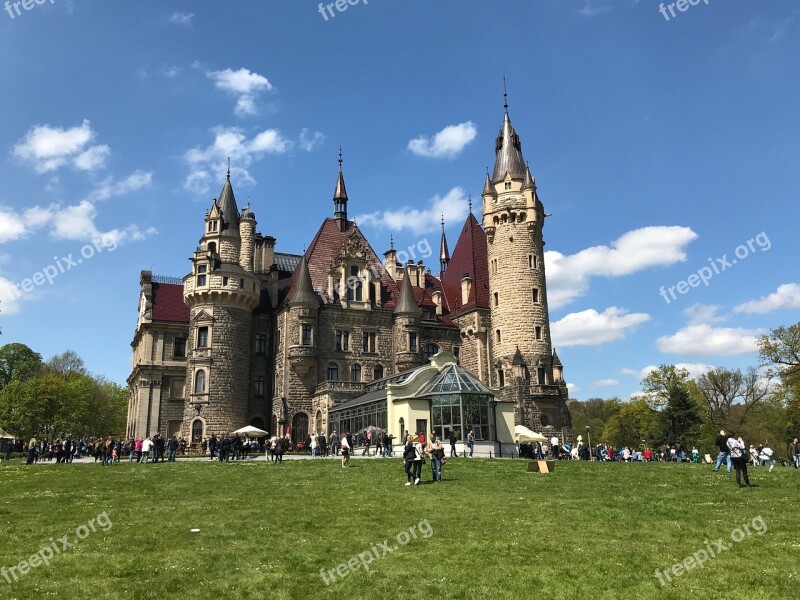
{"points": [[308, 343]]}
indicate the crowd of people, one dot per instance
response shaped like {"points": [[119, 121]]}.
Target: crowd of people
{"points": [[106, 450]]}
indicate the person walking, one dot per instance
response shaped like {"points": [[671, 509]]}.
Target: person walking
{"points": [[471, 442], [436, 452], [32, 450], [172, 447], [724, 451], [794, 452], [408, 459], [313, 445], [278, 451], [147, 445], [737, 451], [345, 450], [419, 455], [765, 456], [453, 444]]}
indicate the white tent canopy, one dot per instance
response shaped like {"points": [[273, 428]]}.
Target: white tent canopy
{"points": [[4, 435], [523, 434], [251, 431]]}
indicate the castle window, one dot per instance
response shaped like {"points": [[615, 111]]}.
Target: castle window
{"points": [[497, 335], [535, 296], [377, 372], [501, 378], [259, 386], [197, 431], [179, 349], [508, 185], [241, 284], [496, 299], [354, 286], [224, 282], [538, 332], [412, 342], [368, 341], [540, 377], [201, 275], [355, 373], [333, 371], [261, 343], [457, 354], [200, 382], [342, 340], [176, 386], [202, 337], [212, 247], [306, 335], [429, 350]]}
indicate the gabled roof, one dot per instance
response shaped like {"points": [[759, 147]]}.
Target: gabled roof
{"points": [[168, 304], [324, 251], [470, 257]]}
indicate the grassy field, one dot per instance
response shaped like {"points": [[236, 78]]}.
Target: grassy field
{"points": [[490, 529]]}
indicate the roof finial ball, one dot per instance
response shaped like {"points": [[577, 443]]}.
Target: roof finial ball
{"points": [[229, 168], [340, 158], [505, 94]]}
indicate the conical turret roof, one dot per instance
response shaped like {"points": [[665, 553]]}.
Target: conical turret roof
{"points": [[517, 360], [406, 304], [508, 153], [303, 291], [229, 210], [556, 360]]}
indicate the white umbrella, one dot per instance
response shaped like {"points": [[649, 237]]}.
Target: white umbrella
{"points": [[4, 435], [251, 431], [523, 434]]}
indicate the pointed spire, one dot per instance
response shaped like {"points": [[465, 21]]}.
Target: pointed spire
{"points": [[470, 204], [340, 194], [508, 148], [303, 290], [406, 304], [444, 252], [228, 208], [556, 360], [487, 185], [528, 184]]}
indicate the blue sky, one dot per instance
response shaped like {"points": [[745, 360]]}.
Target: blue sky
{"points": [[657, 145]]}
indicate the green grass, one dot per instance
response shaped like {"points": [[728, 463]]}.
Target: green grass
{"points": [[585, 531]]}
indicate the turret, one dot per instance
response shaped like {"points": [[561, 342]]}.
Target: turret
{"points": [[247, 232], [340, 197], [444, 252], [406, 327]]}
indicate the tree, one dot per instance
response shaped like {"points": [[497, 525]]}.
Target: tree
{"points": [[595, 413], [66, 364], [675, 396], [781, 348], [18, 363], [721, 389], [634, 425]]}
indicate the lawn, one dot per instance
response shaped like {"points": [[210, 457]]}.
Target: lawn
{"points": [[489, 530]]}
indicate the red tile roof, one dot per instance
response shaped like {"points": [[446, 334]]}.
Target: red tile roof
{"points": [[168, 304], [470, 257]]}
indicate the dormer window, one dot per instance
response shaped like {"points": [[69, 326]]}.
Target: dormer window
{"points": [[508, 185]]}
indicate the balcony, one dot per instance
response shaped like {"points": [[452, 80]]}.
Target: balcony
{"points": [[338, 386], [302, 359]]}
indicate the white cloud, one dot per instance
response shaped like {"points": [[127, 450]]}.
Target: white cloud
{"points": [[703, 313], [452, 205], [48, 148], [695, 369], [245, 85], [605, 383], [181, 18], [591, 10], [568, 276], [573, 389], [309, 140], [448, 143], [705, 340], [210, 163], [787, 297], [590, 328], [109, 188]]}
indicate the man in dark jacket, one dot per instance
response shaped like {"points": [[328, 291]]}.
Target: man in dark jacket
{"points": [[172, 446], [453, 444], [724, 452]]}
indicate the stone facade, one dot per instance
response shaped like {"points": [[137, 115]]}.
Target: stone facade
{"points": [[276, 340]]}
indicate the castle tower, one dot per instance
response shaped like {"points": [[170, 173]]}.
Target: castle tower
{"points": [[221, 296], [513, 218], [340, 198], [407, 316], [444, 253]]}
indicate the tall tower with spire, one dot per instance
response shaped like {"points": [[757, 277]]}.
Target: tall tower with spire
{"points": [[444, 252], [513, 219], [221, 292]]}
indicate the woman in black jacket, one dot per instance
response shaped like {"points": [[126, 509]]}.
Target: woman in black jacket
{"points": [[409, 453]]}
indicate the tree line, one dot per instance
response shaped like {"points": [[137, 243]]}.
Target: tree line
{"points": [[761, 403], [57, 398]]}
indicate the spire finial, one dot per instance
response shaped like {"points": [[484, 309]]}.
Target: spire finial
{"points": [[470, 204], [391, 241], [229, 168], [442, 221], [505, 94], [340, 158]]}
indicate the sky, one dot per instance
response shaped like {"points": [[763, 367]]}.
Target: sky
{"points": [[664, 147]]}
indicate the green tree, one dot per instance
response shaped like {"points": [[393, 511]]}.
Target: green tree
{"points": [[635, 425], [675, 396], [18, 363]]}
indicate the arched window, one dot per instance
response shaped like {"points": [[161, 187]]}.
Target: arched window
{"points": [[300, 427], [377, 372], [200, 382], [429, 350], [212, 247], [402, 424], [333, 371], [354, 285], [355, 373], [197, 431], [318, 422]]}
